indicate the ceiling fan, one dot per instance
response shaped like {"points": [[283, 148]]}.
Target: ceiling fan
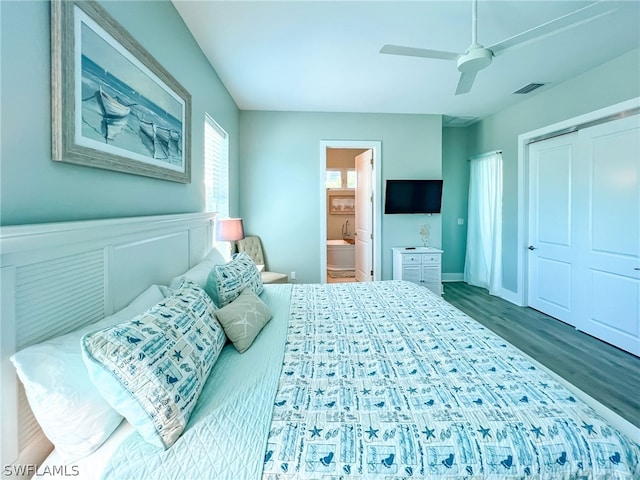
{"points": [[478, 57]]}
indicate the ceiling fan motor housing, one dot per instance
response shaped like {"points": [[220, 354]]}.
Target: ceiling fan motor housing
{"points": [[475, 59]]}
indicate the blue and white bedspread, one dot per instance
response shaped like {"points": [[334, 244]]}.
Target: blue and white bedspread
{"points": [[386, 380]]}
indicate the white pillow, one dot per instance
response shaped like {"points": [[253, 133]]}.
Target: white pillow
{"points": [[70, 410], [200, 272], [152, 367]]}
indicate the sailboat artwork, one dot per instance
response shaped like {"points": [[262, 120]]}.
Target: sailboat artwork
{"points": [[123, 111], [160, 141], [122, 117], [111, 107], [119, 108], [114, 114]]}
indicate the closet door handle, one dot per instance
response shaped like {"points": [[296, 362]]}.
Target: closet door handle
{"points": [[531, 247]]}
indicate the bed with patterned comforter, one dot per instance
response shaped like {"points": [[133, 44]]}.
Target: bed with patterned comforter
{"points": [[386, 380], [382, 380]]}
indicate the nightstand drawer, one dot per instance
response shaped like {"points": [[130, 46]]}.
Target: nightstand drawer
{"points": [[411, 258], [431, 259]]}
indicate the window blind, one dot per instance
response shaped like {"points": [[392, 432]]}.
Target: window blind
{"points": [[216, 168]]}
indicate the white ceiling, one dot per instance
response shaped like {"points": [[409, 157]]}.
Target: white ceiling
{"points": [[323, 56]]}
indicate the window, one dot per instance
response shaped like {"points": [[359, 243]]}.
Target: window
{"points": [[341, 178], [352, 179], [334, 179], [216, 172], [216, 168]]}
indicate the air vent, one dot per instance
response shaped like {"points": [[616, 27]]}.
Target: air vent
{"points": [[529, 88]]}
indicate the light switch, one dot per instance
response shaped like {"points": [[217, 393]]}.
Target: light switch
{"points": [[461, 221]]}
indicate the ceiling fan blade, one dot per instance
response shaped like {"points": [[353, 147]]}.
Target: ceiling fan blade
{"points": [[418, 52], [565, 22], [466, 82]]}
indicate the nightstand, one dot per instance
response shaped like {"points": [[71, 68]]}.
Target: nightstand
{"points": [[420, 265]]}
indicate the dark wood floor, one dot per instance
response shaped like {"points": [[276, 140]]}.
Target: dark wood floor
{"points": [[604, 372]]}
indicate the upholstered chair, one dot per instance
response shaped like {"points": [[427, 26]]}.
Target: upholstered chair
{"points": [[253, 247]]}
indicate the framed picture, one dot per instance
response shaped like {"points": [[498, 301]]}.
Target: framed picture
{"points": [[113, 105], [342, 204]]}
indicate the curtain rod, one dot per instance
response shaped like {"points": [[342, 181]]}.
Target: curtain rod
{"points": [[486, 154]]}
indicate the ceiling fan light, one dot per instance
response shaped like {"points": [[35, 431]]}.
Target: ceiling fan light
{"points": [[475, 59]]}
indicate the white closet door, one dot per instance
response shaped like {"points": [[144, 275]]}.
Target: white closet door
{"points": [[551, 243], [584, 230], [608, 266]]}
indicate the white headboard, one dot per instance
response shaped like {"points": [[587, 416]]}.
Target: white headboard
{"points": [[57, 277]]}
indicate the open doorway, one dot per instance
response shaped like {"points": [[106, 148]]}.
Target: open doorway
{"points": [[350, 211], [342, 190]]}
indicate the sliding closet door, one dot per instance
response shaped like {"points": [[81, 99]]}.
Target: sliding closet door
{"points": [[584, 230], [551, 241], [609, 265]]}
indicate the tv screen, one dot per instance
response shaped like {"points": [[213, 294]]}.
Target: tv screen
{"points": [[413, 196]]}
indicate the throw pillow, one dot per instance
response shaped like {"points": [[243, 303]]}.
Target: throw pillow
{"points": [[243, 319], [152, 368], [225, 282]]}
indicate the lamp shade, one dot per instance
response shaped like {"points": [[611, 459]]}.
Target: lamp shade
{"points": [[229, 230]]}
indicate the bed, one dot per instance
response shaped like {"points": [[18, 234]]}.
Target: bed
{"points": [[361, 380]]}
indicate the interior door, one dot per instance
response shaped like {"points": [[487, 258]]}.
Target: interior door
{"points": [[551, 243], [364, 217], [609, 269], [584, 230]]}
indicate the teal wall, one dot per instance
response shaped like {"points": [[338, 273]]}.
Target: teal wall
{"points": [[279, 156], [280, 169], [33, 188], [455, 173], [610, 83]]}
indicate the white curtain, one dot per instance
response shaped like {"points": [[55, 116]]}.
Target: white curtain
{"points": [[483, 262]]}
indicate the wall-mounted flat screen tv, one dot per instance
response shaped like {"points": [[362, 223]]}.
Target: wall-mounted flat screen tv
{"points": [[413, 196]]}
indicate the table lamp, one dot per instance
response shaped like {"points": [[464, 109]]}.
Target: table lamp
{"points": [[229, 230]]}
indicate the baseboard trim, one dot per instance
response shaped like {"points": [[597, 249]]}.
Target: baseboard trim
{"points": [[453, 277], [512, 297], [508, 295]]}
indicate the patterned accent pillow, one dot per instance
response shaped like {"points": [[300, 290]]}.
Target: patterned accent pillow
{"points": [[152, 368], [226, 282], [243, 319]]}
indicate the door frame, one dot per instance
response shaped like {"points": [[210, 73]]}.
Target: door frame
{"points": [[520, 297], [376, 182]]}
